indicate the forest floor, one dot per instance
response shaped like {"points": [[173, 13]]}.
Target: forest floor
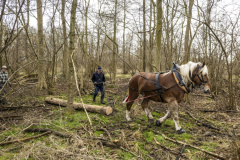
{"points": [[70, 136]]}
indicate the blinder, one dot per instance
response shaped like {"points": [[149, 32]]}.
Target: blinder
{"points": [[200, 78]]}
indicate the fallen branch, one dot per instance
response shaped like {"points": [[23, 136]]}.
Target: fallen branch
{"points": [[48, 130], [105, 142], [106, 131], [79, 106], [181, 152], [79, 93], [20, 107], [25, 139], [171, 151], [227, 111], [197, 148], [10, 116], [204, 124], [202, 95]]}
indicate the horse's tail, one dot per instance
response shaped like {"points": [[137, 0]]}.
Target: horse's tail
{"points": [[126, 99]]}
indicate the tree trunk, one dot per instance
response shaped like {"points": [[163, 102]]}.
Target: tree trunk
{"points": [[41, 61], [158, 36], [71, 49], [114, 70], [150, 39], [124, 45], [1, 40], [187, 33], [144, 37], [65, 47], [26, 37], [78, 106]]}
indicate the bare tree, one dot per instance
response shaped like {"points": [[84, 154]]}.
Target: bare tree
{"points": [[158, 36], [41, 61], [71, 50]]}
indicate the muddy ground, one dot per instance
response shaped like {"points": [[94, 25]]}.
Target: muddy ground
{"points": [[111, 137]]}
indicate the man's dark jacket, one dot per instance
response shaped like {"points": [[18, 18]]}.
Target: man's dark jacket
{"points": [[98, 78]]}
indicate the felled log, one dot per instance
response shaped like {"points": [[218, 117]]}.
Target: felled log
{"points": [[78, 106]]}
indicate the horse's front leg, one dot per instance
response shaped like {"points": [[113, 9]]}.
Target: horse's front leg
{"points": [[163, 119]]}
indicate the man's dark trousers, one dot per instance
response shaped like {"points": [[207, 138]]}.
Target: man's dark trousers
{"points": [[101, 88]]}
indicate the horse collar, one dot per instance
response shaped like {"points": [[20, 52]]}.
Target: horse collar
{"points": [[178, 78]]}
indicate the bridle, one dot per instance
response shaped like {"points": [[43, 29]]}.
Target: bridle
{"points": [[200, 78]]}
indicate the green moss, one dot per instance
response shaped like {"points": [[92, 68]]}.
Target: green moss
{"points": [[125, 155], [98, 133], [148, 135]]}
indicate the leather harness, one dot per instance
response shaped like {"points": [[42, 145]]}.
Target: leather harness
{"points": [[178, 78]]}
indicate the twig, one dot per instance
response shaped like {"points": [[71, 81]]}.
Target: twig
{"points": [[25, 139], [182, 149], [47, 130], [138, 156], [172, 151], [10, 116], [204, 124], [75, 76], [109, 135], [179, 142]]}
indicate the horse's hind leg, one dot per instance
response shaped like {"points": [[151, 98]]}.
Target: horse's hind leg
{"points": [[132, 96], [174, 108], [147, 111]]}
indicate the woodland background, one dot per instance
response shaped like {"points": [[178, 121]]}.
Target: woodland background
{"points": [[43, 41]]}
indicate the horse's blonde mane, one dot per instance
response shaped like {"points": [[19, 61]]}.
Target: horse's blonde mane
{"points": [[189, 67]]}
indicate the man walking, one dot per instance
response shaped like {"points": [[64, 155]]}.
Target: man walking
{"points": [[3, 80], [98, 80]]}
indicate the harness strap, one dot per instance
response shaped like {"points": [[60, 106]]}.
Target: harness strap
{"points": [[201, 79], [159, 87]]}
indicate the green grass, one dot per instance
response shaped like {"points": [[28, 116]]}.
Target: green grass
{"points": [[125, 155]]}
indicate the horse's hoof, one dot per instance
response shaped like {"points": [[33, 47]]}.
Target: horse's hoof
{"points": [[151, 121], [180, 131], [158, 123]]}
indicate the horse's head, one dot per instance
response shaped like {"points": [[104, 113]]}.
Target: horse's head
{"points": [[200, 77]]}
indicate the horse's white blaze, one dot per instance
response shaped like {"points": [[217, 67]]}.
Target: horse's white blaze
{"points": [[128, 116], [163, 119], [148, 113]]}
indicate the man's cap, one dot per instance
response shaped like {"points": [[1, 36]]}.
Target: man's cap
{"points": [[99, 68], [4, 67]]}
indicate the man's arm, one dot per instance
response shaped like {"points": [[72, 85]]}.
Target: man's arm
{"points": [[104, 78], [93, 78]]}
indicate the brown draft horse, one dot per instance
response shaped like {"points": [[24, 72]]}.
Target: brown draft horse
{"points": [[145, 84]]}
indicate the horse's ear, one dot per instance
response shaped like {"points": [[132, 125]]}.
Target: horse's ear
{"points": [[203, 64]]}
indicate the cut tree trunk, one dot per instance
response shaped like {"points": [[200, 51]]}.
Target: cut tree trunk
{"points": [[78, 106]]}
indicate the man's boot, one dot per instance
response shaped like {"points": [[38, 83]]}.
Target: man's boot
{"points": [[94, 98], [102, 101]]}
